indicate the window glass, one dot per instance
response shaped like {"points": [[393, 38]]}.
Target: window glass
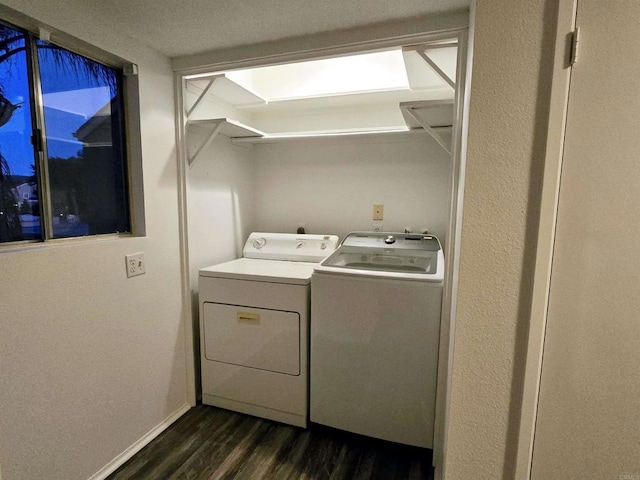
{"points": [[19, 209], [83, 119], [63, 162]]}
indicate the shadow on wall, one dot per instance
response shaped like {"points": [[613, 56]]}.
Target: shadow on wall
{"points": [[532, 216]]}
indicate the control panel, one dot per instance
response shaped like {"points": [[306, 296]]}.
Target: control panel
{"points": [[404, 241], [289, 246]]}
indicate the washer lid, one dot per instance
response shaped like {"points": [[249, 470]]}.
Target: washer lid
{"points": [[389, 255], [289, 246]]}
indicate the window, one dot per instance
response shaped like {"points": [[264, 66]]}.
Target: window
{"points": [[63, 151]]}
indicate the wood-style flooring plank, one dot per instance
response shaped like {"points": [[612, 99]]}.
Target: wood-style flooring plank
{"points": [[291, 457], [258, 463], [208, 443], [173, 447], [215, 448]]}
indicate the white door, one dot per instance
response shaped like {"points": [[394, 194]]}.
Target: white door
{"points": [[588, 424]]}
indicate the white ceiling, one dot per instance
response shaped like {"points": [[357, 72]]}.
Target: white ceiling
{"points": [[178, 28]]}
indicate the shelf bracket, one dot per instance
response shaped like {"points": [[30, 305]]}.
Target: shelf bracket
{"points": [[210, 138], [427, 128], [436, 68], [201, 96]]}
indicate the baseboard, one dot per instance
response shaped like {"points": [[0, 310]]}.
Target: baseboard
{"points": [[256, 410], [114, 464]]}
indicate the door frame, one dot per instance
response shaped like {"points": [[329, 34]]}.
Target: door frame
{"points": [[556, 127], [434, 29]]}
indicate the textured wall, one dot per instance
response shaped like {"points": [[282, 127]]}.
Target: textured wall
{"points": [[90, 361], [514, 43]]}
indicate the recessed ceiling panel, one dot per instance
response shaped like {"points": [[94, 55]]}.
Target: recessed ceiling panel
{"points": [[368, 72]]}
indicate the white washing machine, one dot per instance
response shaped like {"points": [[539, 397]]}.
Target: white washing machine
{"points": [[375, 329], [254, 324]]}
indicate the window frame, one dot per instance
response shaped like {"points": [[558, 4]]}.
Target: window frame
{"points": [[134, 189]]}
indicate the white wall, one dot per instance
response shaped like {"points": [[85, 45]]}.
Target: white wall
{"points": [[331, 185], [220, 204], [90, 361]]}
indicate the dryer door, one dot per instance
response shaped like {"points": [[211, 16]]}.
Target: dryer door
{"points": [[252, 337]]}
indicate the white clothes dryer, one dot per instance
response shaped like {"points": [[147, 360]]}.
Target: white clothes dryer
{"points": [[375, 329], [254, 326]]}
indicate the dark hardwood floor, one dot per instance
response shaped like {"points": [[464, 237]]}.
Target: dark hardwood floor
{"points": [[211, 443]]}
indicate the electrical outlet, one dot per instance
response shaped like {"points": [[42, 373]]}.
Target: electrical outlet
{"points": [[135, 264], [377, 227], [378, 212]]}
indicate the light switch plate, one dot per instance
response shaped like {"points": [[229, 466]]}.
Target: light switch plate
{"points": [[135, 264]]}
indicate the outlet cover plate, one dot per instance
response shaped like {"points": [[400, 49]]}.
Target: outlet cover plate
{"points": [[135, 264], [378, 212]]}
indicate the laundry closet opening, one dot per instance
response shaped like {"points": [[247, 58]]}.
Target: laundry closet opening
{"points": [[324, 140], [315, 142]]}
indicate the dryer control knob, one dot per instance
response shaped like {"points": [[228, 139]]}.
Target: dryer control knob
{"points": [[390, 239], [258, 243]]}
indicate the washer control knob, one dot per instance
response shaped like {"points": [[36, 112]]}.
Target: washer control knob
{"points": [[323, 246], [258, 243], [390, 239]]}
